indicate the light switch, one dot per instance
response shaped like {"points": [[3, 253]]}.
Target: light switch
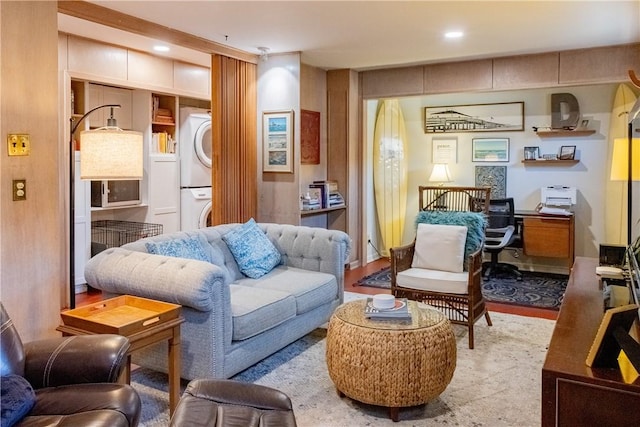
{"points": [[19, 189], [18, 144]]}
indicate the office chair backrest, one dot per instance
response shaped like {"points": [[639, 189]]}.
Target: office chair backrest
{"points": [[501, 213]]}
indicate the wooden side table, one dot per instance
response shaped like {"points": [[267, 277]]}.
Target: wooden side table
{"points": [[143, 321]]}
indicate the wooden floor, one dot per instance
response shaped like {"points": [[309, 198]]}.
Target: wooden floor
{"points": [[351, 278]]}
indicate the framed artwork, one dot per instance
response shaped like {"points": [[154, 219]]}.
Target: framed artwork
{"points": [[531, 153], [309, 137], [494, 177], [500, 117], [444, 150], [567, 152], [277, 141], [490, 150]]}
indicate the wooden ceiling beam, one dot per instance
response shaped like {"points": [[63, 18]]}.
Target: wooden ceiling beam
{"points": [[112, 18]]}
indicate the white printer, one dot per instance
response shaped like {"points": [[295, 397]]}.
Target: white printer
{"points": [[557, 200]]}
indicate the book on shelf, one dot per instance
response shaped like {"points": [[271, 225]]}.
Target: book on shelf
{"points": [[324, 194], [331, 186], [399, 312], [162, 142], [335, 200]]}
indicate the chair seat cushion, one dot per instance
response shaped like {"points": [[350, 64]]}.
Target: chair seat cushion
{"points": [[433, 280]]}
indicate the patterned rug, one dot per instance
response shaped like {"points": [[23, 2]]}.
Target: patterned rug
{"points": [[497, 384], [541, 290]]}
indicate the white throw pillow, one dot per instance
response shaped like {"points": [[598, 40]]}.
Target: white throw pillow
{"points": [[440, 247]]}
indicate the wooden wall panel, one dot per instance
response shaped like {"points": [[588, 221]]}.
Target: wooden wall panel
{"points": [[452, 77], [599, 65], [88, 56], [33, 238], [191, 78], [392, 82], [526, 71], [149, 69]]}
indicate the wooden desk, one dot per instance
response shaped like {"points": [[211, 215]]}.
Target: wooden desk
{"points": [[547, 235], [572, 393]]}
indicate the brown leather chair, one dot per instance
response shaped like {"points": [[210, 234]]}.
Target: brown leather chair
{"points": [[221, 403], [73, 378]]}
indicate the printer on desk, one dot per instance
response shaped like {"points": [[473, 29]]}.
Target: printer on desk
{"points": [[557, 200]]}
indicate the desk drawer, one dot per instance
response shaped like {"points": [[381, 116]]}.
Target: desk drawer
{"points": [[548, 237]]}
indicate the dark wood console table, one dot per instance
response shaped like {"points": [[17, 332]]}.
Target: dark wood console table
{"points": [[572, 393]]}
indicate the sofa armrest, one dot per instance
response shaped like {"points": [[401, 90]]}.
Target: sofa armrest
{"points": [[75, 360], [196, 284], [311, 248]]}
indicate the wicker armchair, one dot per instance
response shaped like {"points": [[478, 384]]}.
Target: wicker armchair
{"points": [[464, 303]]}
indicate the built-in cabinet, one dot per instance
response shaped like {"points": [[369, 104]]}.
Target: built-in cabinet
{"points": [[109, 95]]}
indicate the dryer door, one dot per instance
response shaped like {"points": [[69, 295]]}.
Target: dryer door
{"points": [[202, 143], [205, 216]]}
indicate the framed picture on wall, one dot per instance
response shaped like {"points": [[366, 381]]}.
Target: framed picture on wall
{"points": [[498, 117], [490, 150], [494, 177], [444, 150], [567, 152], [309, 137], [277, 141]]}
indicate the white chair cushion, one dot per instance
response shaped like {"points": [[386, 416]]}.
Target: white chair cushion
{"points": [[440, 247], [433, 280]]}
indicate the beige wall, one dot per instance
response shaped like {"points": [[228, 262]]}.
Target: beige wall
{"points": [[32, 232]]}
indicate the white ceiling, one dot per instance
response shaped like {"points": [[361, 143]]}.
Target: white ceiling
{"points": [[371, 34]]}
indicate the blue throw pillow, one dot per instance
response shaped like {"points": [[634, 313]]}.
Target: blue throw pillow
{"points": [[251, 248], [189, 247], [474, 221], [18, 398]]}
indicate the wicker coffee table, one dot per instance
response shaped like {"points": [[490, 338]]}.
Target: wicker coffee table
{"points": [[390, 363]]}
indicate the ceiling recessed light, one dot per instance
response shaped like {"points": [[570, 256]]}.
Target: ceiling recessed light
{"points": [[160, 48], [453, 34]]}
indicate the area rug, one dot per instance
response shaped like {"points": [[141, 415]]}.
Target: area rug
{"points": [[541, 290], [496, 384]]}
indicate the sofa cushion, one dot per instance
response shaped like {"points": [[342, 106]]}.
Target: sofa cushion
{"points": [[440, 247], [189, 247], [18, 398], [310, 288], [433, 280], [256, 310], [252, 249]]}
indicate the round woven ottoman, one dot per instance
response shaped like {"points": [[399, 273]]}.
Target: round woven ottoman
{"points": [[390, 363]]}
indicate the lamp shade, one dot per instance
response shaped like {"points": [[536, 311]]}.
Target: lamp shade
{"points": [[620, 160], [440, 173], [111, 153]]}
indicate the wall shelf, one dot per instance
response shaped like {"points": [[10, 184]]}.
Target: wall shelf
{"points": [[550, 162], [562, 133], [320, 211]]}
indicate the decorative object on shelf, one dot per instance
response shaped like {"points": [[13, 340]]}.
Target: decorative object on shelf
{"points": [[567, 152], [531, 153], [550, 156], [494, 177], [106, 153], [584, 125], [500, 117], [277, 141], [444, 150], [309, 137], [565, 111], [490, 150]]}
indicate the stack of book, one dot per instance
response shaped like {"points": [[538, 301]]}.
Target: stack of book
{"points": [[161, 115], [335, 200], [310, 203], [330, 196], [400, 312]]}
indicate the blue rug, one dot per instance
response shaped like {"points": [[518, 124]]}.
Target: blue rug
{"points": [[541, 290]]}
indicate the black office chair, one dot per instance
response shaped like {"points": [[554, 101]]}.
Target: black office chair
{"points": [[500, 233]]}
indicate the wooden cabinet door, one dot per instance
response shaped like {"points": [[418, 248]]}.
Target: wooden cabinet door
{"points": [[548, 237]]}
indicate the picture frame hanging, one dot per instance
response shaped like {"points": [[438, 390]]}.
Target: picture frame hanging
{"points": [[309, 137], [498, 117], [531, 153], [444, 150], [494, 177], [277, 141], [567, 152], [490, 150]]}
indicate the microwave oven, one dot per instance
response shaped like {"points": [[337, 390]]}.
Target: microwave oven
{"points": [[111, 193]]}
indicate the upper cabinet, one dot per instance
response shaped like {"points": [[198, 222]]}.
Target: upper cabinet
{"points": [[103, 95]]}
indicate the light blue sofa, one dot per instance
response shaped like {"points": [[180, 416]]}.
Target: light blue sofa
{"points": [[231, 321]]}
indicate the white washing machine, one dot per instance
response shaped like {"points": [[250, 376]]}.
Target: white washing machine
{"points": [[195, 208], [195, 147]]}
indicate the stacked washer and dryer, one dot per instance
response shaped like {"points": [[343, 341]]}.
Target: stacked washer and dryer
{"points": [[195, 168]]}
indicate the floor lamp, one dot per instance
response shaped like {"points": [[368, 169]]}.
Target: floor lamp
{"points": [[105, 153], [625, 166]]}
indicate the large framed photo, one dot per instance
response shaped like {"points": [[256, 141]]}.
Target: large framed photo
{"points": [[500, 117], [490, 150], [277, 141]]}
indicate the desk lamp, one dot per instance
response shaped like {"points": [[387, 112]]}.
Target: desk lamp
{"points": [[105, 153], [440, 174]]}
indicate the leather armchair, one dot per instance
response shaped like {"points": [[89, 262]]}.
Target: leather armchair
{"points": [[73, 378]]}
